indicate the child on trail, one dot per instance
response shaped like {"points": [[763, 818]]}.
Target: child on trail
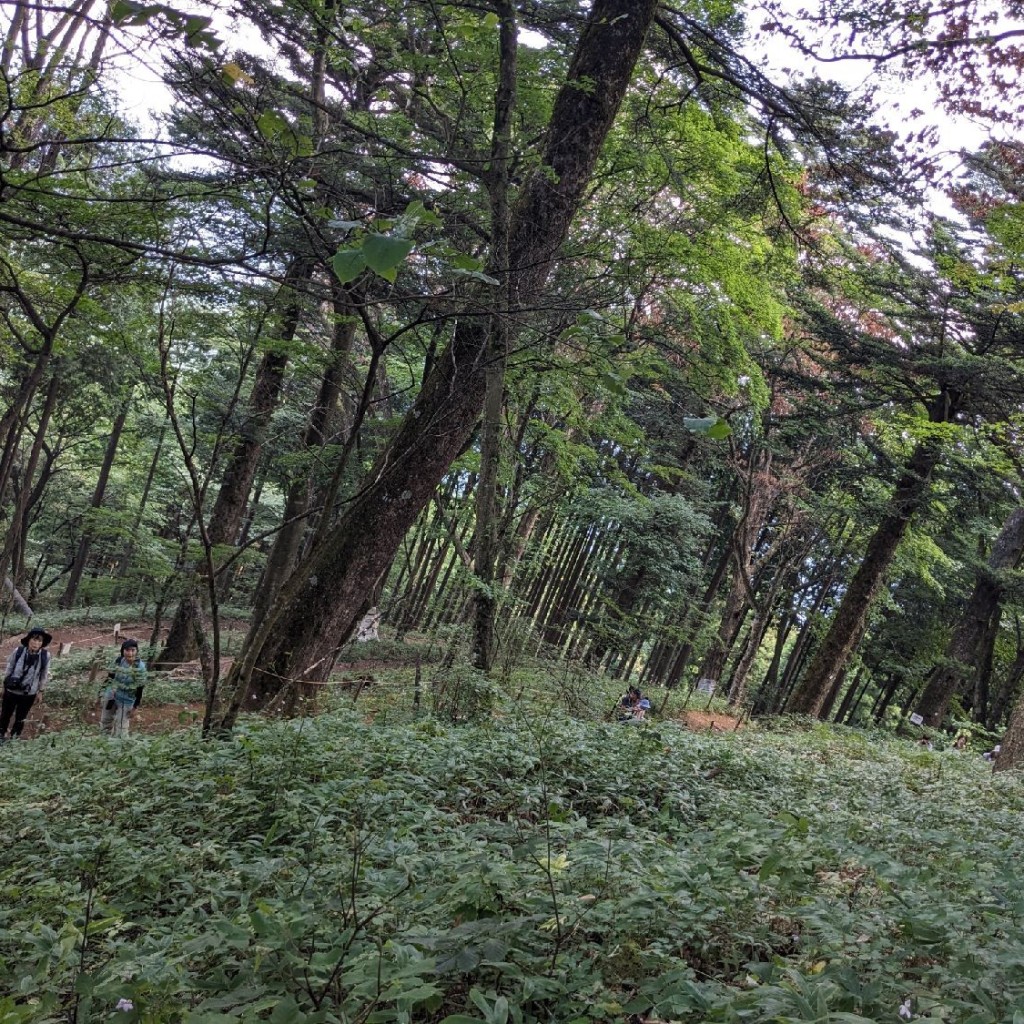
{"points": [[24, 678], [126, 679]]}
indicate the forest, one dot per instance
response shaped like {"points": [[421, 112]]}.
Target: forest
{"points": [[419, 375]]}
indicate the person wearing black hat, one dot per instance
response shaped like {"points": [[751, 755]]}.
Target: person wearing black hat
{"points": [[24, 678], [123, 694]]}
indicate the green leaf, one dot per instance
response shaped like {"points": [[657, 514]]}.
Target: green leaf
{"points": [[613, 384], [196, 24], [462, 261], [348, 264], [122, 10], [384, 254], [714, 427], [417, 213], [272, 123], [287, 1012]]}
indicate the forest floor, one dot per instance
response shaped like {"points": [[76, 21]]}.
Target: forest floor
{"points": [[152, 718]]}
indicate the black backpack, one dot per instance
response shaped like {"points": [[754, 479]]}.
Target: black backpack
{"points": [[18, 685]]}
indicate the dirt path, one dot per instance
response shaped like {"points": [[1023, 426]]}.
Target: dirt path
{"points": [[100, 641], [709, 721]]}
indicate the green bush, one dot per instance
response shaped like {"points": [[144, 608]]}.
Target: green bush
{"points": [[532, 868]]}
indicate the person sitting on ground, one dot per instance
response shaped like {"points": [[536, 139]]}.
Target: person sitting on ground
{"points": [[630, 701], [633, 706], [123, 694], [26, 673]]}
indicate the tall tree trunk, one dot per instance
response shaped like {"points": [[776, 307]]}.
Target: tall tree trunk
{"points": [[1011, 752], [850, 620], [319, 607], [1008, 687], [852, 695], [236, 483], [486, 597], [10, 560], [81, 556], [295, 521], [147, 488], [965, 646], [694, 620]]}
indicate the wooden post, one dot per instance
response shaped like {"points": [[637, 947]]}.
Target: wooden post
{"points": [[95, 667]]}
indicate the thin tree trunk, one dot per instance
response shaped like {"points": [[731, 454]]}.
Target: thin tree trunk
{"points": [[850, 620], [236, 482], [67, 599], [486, 598], [965, 646], [147, 488], [852, 695], [10, 559]]}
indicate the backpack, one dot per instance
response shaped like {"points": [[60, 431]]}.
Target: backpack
{"points": [[18, 685]]}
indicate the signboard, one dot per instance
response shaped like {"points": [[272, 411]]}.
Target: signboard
{"points": [[917, 719], [706, 685]]}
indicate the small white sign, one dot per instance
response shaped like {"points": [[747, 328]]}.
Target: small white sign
{"points": [[917, 719], [706, 685]]}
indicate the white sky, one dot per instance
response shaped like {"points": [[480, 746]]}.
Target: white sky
{"points": [[142, 93]]}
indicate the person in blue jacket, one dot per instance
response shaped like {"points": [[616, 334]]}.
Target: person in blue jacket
{"points": [[123, 693]]}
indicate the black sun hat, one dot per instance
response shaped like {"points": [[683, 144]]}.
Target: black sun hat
{"points": [[36, 631]]}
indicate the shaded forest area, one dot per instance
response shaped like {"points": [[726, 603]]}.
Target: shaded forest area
{"points": [[536, 329]]}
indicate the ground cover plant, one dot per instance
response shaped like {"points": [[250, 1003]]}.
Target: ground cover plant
{"points": [[524, 869]]}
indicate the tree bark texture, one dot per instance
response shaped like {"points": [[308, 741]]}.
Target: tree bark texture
{"points": [[962, 661], [318, 608], [236, 482], [850, 620], [322, 421], [1011, 752]]}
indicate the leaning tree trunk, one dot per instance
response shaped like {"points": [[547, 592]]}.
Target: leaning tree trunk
{"points": [[850, 620], [320, 605], [965, 646]]}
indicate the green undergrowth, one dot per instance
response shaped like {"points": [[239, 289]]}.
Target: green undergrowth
{"points": [[524, 870]]}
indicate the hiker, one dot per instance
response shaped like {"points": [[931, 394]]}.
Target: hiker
{"points": [[123, 694], [24, 678], [633, 706]]}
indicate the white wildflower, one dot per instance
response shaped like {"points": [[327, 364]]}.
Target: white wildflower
{"points": [[905, 1012], [125, 1004]]}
